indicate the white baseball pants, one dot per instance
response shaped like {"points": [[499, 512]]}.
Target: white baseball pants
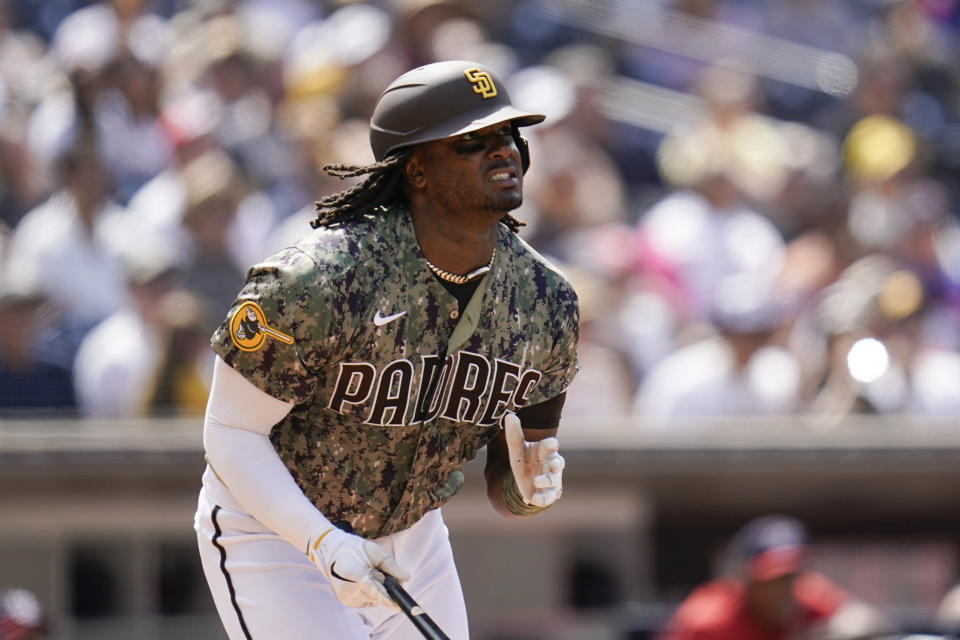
{"points": [[265, 589]]}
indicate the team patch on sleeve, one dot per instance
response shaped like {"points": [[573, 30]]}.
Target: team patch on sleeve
{"points": [[249, 329]]}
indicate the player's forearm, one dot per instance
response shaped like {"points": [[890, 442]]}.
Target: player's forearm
{"points": [[236, 427]]}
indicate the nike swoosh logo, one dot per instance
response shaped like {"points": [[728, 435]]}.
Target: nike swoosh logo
{"points": [[380, 320], [336, 575]]}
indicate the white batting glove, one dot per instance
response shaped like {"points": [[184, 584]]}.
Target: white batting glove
{"points": [[537, 467], [350, 564]]}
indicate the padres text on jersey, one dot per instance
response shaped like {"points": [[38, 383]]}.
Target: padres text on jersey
{"points": [[471, 389]]}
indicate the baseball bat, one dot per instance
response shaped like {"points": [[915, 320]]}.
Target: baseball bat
{"points": [[415, 612]]}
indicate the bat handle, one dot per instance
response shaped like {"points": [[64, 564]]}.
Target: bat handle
{"points": [[415, 612]]}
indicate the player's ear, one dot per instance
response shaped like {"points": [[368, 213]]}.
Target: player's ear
{"points": [[413, 171]]}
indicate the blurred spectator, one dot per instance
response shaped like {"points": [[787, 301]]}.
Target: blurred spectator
{"points": [[707, 233], [878, 154], [694, 241], [65, 248], [182, 382], [947, 615], [327, 58], [348, 144], [770, 593], [135, 145], [22, 61], [21, 616], [604, 387], [86, 48], [213, 192], [18, 187], [738, 369], [419, 22], [573, 183], [66, 111], [227, 71], [22, 72], [156, 208], [887, 350], [117, 362], [887, 323], [35, 370]]}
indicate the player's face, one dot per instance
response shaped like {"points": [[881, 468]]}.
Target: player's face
{"points": [[480, 170]]}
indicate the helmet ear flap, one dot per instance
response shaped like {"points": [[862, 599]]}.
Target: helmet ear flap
{"points": [[524, 147]]}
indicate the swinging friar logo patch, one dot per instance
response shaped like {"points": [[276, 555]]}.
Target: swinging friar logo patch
{"points": [[249, 329], [481, 81]]}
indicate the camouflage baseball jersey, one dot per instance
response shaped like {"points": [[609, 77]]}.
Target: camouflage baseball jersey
{"points": [[394, 386]]}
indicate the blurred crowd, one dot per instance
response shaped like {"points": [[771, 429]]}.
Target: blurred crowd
{"points": [[756, 201]]}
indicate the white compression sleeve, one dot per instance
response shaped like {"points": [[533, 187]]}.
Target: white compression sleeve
{"points": [[236, 431]]}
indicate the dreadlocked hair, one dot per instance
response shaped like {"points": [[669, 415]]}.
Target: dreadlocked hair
{"points": [[380, 189]]}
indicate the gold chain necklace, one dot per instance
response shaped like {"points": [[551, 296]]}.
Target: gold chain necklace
{"points": [[456, 279]]}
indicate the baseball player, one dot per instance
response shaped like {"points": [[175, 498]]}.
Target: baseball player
{"points": [[410, 329], [771, 593]]}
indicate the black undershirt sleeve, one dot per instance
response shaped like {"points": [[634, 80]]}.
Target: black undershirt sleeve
{"points": [[543, 415]]}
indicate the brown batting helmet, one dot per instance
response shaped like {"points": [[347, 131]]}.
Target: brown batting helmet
{"points": [[440, 100]]}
